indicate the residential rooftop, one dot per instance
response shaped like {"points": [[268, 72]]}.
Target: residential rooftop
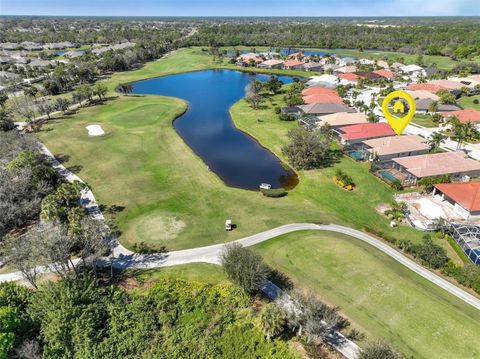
{"points": [[438, 164], [465, 194], [366, 130], [397, 144]]}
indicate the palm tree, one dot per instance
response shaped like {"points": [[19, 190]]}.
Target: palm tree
{"points": [[272, 320], [436, 140], [463, 131]]}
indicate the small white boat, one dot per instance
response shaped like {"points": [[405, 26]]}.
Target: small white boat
{"points": [[265, 186]]}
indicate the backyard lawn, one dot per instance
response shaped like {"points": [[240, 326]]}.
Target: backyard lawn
{"points": [[467, 102], [424, 120], [381, 297]]}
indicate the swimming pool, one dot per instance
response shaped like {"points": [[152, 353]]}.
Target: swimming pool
{"points": [[357, 155], [388, 176]]}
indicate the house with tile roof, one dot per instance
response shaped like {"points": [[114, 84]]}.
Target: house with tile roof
{"points": [[464, 197], [426, 87], [385, 149], [384, 73], [293, 64], [318, 91], [423, 105], [348, 78], [342, 119], [467, 115], [355, 134], [319, 109], [271, 64], [455, 164], [322, 98]]}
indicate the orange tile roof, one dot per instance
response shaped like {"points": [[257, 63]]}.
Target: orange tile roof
{"points": [[466, 195], [385, 73], [366, 130], [468, 115], [319, 91], [348, 76], [426, 87], [322, 98], [291, 63]]}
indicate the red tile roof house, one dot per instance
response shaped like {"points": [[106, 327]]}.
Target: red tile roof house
{"points": [[350, 77], [384, 73], [355, 134], [456, 164], [319, 91], [322, 98], [385, 149], [464, 197], [293, 64], [426, 87], [464, 116]]}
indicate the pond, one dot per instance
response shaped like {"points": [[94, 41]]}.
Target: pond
{"points": [[238, 159]]}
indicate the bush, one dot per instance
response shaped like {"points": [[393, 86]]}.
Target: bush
{"points": [[244, 267], [396, 185], [274, 192], [379, 350], [343, 180], [286, 117], [476, 102], [278, 110]]}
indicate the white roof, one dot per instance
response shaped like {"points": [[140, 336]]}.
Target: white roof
{"points": [[366, 61], [411, 68], [325, 78]]}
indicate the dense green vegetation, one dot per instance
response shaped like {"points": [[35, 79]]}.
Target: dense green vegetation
{"points": [[379, 296], [174, 318], [433, 38]]}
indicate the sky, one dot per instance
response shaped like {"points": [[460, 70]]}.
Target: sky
{"points": [[241, 7]]}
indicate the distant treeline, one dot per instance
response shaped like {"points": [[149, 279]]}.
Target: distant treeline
{"points": [[457, 39]]}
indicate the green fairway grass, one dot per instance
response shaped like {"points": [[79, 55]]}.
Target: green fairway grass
{"points": [[380, 296]]}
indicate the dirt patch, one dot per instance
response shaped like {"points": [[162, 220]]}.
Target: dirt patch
{"points": [[158, 227]]}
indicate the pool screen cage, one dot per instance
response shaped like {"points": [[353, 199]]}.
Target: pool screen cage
{"points": [[468, 238]]}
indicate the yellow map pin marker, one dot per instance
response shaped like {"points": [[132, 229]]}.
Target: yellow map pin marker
{"points": [[399, 124]]}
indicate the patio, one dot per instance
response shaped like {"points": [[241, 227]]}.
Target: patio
{"points": [[425, 209]]}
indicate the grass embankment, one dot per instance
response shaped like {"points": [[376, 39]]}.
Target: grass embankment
{"points": [[381, 297]]}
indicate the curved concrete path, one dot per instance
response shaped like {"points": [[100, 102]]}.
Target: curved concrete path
{"points": [[211, 254]]}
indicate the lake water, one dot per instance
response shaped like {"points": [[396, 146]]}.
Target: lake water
{"points": [[208, 129]]}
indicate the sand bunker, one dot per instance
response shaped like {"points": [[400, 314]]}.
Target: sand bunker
{"points": [[95, 130]]}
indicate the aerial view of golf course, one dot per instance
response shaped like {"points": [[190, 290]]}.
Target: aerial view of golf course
{"points": [[174, 184]]}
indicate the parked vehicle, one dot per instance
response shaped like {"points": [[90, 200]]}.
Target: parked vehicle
{"points": [[228, 225]]}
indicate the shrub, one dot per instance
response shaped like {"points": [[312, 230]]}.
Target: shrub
{"points": [[476, 101], [244, 267], [379, 350], [278, 110], [343, 180], [396, 185], [286, 117], [274, 192]]}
